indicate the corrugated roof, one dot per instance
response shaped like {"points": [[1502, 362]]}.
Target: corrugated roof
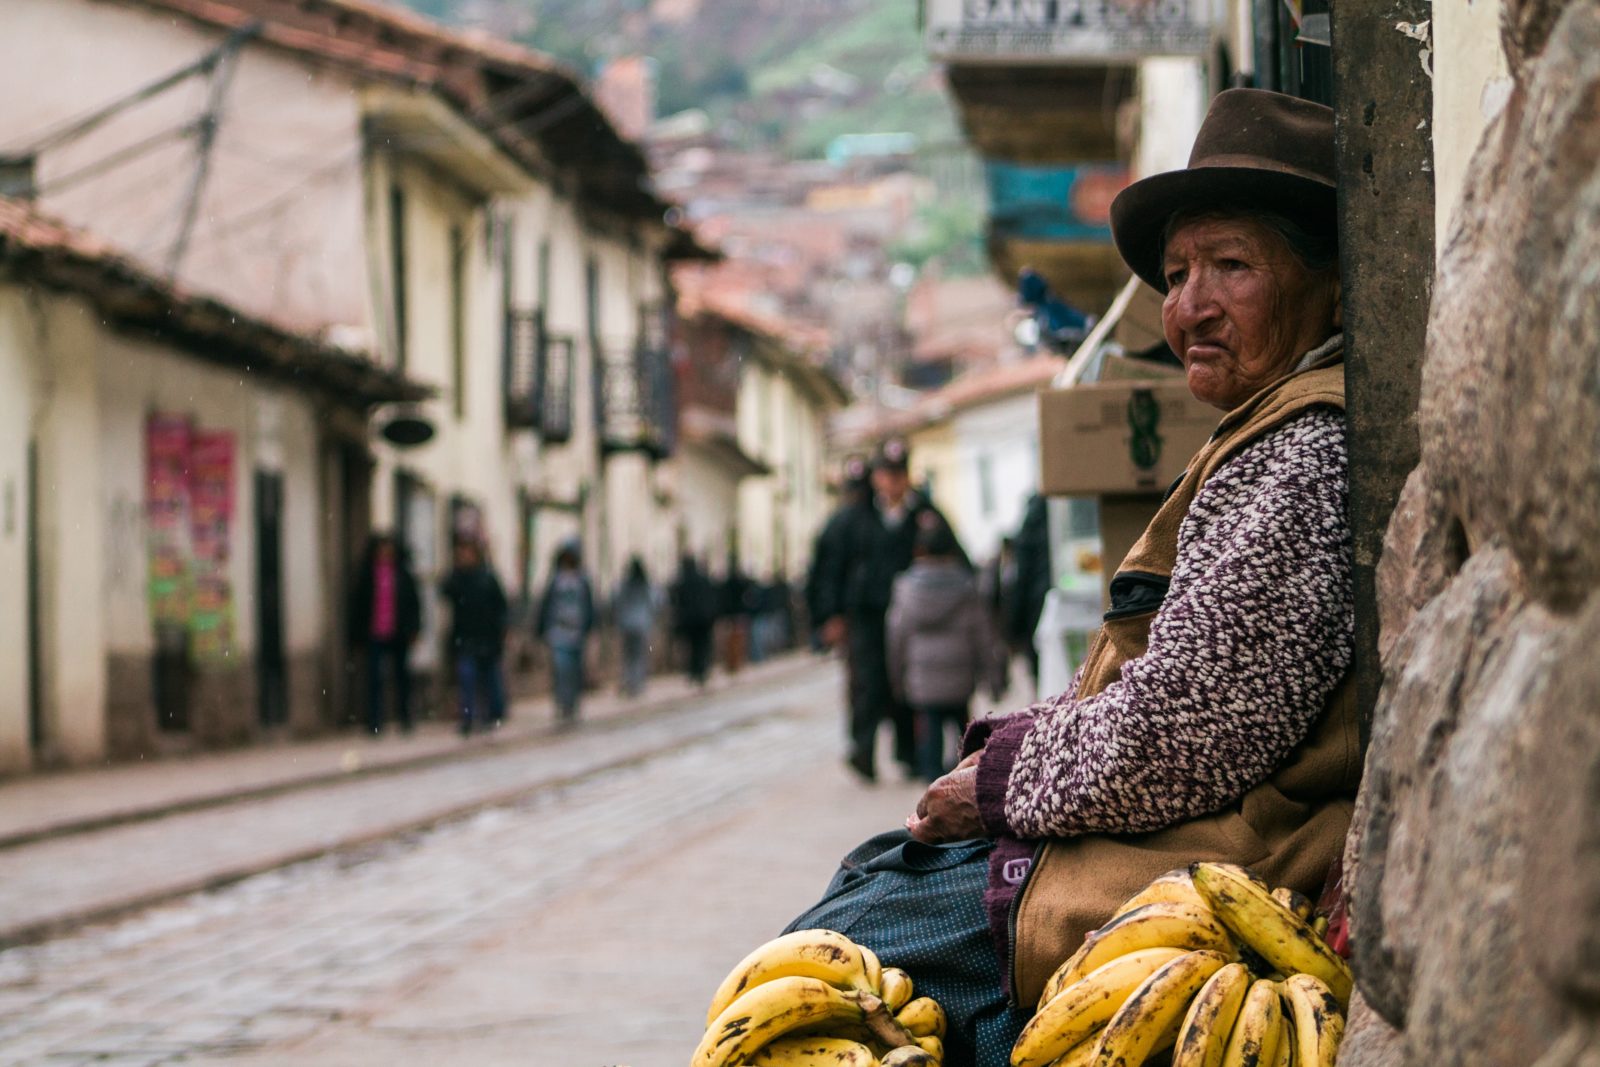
{"points": [[38, 250]]}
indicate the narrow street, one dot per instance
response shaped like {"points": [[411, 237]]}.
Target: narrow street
{"points": [[583, 923]]}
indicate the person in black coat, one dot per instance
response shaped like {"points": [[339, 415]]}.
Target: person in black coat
{"points": [[871, 543], [1032, 581], [694, 614], [384, 619], [477, 634]]}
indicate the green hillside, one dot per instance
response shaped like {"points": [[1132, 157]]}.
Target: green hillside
{"points": [[747, 63]]}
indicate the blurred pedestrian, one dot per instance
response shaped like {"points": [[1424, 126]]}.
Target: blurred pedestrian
{"points": [[633, 608], [823, 579], [566, 615], [997, 586], [942, 646], [384, 618], [1032, 582], [874, 542], [477, 635], [738, 603], [694, 615]]}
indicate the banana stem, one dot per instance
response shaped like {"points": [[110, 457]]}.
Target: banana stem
{"points": [[883, 1024]]}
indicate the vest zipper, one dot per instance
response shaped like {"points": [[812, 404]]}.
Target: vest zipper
{"points": [[1012, 912]]}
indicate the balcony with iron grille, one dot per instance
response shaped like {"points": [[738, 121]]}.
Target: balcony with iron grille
{"points": [[538, 377], [635, 399]]}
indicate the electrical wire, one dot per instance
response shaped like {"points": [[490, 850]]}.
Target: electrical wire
{"points": [[75, 128], [138, 149]]}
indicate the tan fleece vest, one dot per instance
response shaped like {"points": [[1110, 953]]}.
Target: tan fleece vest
{"points": [[1289, 829]]}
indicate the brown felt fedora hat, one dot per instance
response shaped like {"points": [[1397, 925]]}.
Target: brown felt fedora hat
{"points": [[1255, 150]]}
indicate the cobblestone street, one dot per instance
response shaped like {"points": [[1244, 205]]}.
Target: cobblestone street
{"points": [[585, 923]]}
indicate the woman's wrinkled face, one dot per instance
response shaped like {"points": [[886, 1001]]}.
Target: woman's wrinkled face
{"points": [[1240, 308]]}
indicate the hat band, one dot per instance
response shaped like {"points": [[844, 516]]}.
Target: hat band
{"points": [[1250, 162]]}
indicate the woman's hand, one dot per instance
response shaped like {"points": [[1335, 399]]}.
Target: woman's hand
{"points": [[948, 811]]}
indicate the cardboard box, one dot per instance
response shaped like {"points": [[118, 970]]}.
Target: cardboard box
{"points": [[1119, 437]]}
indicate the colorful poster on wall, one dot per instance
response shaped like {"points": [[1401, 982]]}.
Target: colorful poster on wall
{"points": [[167, 517], [189, 476], [211, 455]]}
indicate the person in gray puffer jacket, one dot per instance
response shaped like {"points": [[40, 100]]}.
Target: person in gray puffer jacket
{"points": [[942, 645]]}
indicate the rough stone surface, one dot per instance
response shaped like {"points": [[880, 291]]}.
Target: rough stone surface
{"points": [[1475, 857]]}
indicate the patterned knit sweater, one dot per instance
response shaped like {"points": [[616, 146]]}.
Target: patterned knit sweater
{"points": [[1256, 630]]}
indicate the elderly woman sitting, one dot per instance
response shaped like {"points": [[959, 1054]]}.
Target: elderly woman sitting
{"points": [[1211, 718]]}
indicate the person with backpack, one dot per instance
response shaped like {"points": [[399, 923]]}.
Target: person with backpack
{"points": [[942, 646], [694, 614], [566, 615]]}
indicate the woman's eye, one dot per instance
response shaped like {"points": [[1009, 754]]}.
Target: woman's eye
{"points": [[1232, 264], [1174, 277]]}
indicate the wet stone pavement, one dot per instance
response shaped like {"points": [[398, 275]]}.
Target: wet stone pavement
{"points": [[283, 959]]}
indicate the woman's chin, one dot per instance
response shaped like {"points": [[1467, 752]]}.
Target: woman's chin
{"points": [[1207, 388]]}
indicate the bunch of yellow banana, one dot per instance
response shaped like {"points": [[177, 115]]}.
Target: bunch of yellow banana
{"points": [[1208, 962], [813, 998]]}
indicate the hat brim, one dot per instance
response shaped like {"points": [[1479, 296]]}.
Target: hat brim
{"points": [[1140, 213]]}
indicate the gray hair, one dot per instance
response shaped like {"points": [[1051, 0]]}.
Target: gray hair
{"points": [[1316, 249]]}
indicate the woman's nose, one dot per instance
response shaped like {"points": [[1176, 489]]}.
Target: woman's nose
{"points": [[1194, 301]]}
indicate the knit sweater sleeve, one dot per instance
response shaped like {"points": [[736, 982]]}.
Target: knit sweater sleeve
{"points": [[1255, 632]]}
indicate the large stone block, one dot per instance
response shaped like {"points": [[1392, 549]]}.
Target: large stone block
{"points": [[1476, 853]]}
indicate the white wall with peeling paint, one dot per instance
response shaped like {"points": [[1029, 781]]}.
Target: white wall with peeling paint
{"points": [[1470, 86]]}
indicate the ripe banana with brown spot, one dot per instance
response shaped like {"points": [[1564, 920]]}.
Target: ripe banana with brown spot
{"points": [[772, 1010], [820, 954], [895, 988], [1174, 887], [923, 1017], [1285, 1056], [874, 968], [1258, 1030], [933, 1046], [815, 1051], [1081, 1054], [1203, 1036], [909, 1056], [1149, 1019], [1281, 937], [1166, 924], [1314, 1021], [1295, 901], [1086, 1005]]}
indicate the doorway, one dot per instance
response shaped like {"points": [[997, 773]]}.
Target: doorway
{"points": [[30, 496], [272, 675]]}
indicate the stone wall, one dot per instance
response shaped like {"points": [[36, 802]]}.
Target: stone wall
{"points": [[1475, 857]]}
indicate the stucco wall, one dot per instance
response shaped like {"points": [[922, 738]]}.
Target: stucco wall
{"points": [[1004, 436], [18, 400], [278, 227]]}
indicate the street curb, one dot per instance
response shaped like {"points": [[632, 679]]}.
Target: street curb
{"points": [[54, 831], [33, 933]]}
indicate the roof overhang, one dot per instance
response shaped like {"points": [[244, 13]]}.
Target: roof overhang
{"points": [[37, 251], [714, 436], [420, 124]]}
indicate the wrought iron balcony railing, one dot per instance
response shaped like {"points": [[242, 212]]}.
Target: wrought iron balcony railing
{"points": [[634, 394], [538, 377]]}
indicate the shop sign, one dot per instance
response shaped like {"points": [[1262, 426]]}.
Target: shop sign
{"points": [[1092, 32]]}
